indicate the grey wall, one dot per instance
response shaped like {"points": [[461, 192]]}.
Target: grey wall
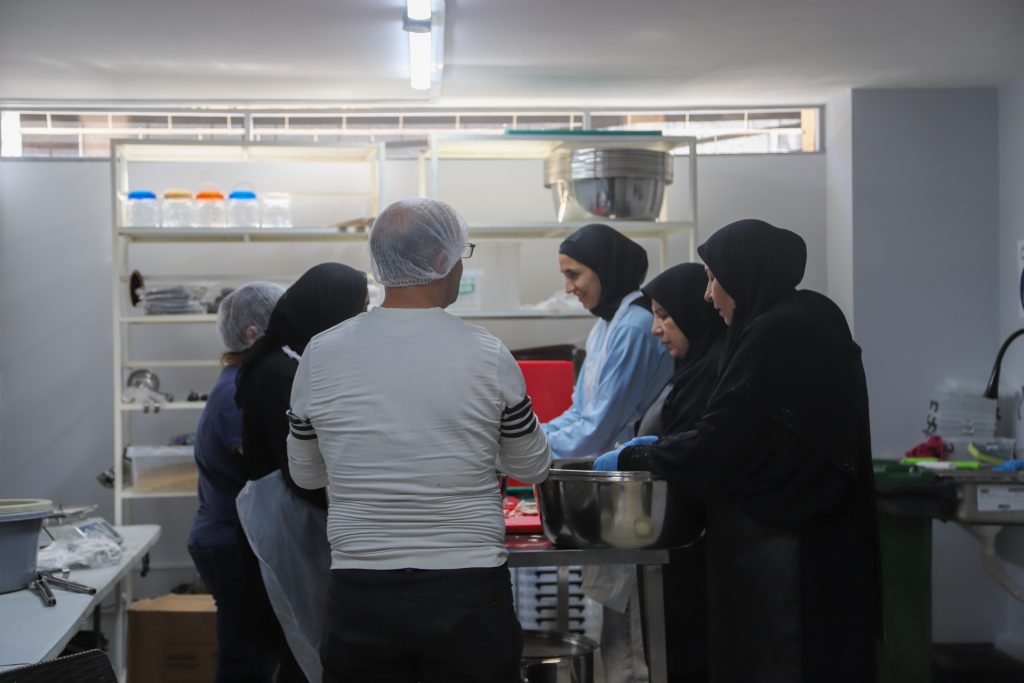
{"points": [[925, 232], [1011, 230], [56, 367], [787, 191], [839, 188]]}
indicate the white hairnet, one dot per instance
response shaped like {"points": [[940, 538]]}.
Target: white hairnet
{"points": [[250, 304], [416, 241]]}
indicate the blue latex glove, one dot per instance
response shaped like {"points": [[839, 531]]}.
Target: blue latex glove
{"points": [[641, 441], [609, 462], [1007, 466]]}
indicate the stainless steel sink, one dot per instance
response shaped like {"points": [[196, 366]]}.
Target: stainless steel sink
{"points": [[988, 497]]}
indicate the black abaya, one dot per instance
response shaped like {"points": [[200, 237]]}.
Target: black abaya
{"points": [[781, 456]]}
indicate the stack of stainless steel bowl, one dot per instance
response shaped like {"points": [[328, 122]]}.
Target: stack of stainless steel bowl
{"points": [[556, 657], [608, 183]]}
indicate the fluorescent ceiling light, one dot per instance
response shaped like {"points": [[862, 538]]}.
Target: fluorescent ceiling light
{"points": [[424, 22], [420, 53], [418, 10]]}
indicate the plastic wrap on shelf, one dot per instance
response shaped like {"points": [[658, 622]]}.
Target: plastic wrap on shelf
{"points": [[174, 300]]}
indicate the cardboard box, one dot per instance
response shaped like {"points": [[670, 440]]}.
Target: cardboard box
{"points": [[172, 639]]}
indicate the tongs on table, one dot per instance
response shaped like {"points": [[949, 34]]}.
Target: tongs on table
{"points": [[46, 579]]}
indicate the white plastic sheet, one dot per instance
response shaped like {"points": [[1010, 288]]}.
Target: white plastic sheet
{"points": [[289, 537]]}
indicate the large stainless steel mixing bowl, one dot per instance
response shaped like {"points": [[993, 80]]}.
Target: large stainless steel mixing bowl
{"points": [[607, 183], [584, 509], [637, 199]]}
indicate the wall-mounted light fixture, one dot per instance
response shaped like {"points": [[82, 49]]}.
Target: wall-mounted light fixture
{"points": [[421, 21]]}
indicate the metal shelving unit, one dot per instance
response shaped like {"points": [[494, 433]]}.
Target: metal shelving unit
{"points": [[135, 163]]}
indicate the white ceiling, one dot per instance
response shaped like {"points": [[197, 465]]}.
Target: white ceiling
{"points": [[518, 53]]}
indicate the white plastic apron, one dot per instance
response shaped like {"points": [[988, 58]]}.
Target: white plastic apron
{"points": [[610, 585], [289, 537]]}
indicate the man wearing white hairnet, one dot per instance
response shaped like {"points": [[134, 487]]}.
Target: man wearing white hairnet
{"points": [[404, 413]]}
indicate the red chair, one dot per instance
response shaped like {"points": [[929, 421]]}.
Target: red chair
{"points": [[549, 383]]}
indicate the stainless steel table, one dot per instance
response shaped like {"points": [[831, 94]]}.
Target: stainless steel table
{"points": [[31, 632], [537, 551]]}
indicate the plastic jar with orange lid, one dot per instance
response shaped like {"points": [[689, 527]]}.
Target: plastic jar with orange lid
{"points": [[209, 209]]}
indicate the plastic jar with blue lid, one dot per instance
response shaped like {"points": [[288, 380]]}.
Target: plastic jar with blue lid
{"points": [[143, 209], [243, 209]]}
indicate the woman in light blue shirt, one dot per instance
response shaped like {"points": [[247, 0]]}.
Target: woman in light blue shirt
{"points": [[626, 367]]}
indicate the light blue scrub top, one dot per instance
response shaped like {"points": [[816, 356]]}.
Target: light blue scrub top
{"points": [[630, 374]]}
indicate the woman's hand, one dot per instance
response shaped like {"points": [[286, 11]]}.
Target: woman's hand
{"points": [[609, 462], [641, 441]]}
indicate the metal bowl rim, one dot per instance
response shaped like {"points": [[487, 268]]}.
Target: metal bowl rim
{"points": [[598, 476]]}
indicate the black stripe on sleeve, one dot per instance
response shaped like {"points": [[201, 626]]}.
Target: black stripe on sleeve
{"points": [[295, 420], [517, 412], [305, 436], [521, 428], [525, 403], [509, 426]]}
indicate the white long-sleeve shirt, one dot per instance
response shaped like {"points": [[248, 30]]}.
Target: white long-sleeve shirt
{"points": [[405, 414]]}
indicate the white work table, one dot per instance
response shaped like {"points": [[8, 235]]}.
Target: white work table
{"points": [[31, 632]]}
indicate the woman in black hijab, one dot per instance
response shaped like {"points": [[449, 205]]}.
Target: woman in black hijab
{"points": [[694, 334], [323, 297], [625, 368], [782, 458], [284, 523]]}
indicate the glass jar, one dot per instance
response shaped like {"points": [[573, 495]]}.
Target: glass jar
{"points": [[143, 209], [276, 210], [176, 209]]}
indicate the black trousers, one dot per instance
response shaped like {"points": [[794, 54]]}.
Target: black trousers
{"points": [[425, 626], [250, 644]]}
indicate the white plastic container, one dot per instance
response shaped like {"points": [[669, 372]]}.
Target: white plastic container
{"points": [[499, 263], [209, 209], [471, 289], [20, 521], [163, 468], [276, 210], [143, 209], [243, 209], [176, 209]]}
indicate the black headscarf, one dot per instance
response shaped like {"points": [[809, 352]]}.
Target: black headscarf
{"points": [[620, 263], [680, 291], [790, 353], [324, 296]]}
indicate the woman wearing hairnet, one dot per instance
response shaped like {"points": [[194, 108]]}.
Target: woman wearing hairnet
{"points": [[215, 541], [782, 458], [625, 367], [285, 523]]}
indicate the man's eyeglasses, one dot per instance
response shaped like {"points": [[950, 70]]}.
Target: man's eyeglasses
{"points": [[467, 250]]}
